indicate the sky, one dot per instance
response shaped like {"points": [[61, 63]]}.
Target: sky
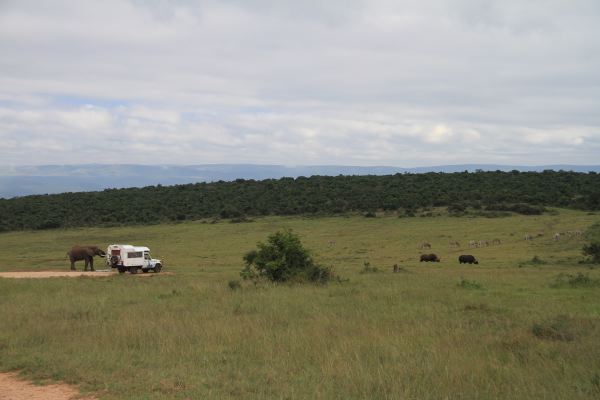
{"points": [[398, 83]]}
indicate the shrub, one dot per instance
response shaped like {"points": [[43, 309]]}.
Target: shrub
{"points": [[593, 251], [283, 258], [537, 261], [234, 284], [370, 214]]}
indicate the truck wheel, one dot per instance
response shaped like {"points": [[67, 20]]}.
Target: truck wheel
{"points": [[157, 268], [121, 270], [133, 270]]}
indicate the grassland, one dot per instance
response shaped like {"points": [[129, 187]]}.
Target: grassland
{"points": [[506, 332]]}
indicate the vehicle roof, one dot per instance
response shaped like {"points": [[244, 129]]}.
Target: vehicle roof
{"points": [[128, 247]]}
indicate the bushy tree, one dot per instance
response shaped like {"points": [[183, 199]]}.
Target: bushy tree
{"points": [[592, 250], [283, 258]]}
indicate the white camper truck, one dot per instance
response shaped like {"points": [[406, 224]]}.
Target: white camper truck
{"points": [[130, 258]]}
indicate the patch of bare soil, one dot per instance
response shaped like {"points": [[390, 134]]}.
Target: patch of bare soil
{"points": [[70, 274], [14, 388]]}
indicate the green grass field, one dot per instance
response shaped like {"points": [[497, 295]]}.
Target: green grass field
{"points": [[506, 332]]}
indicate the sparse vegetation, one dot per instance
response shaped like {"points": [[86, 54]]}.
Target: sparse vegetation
{"points": [[558, 328], [535, 261], [467, 284], [368, 269], [575, 281]]}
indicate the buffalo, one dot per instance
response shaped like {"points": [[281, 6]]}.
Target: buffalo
{"points": [[429, 258], [467, 259]]}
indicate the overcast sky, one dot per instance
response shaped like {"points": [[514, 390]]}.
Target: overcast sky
{"points": [[400, 83]]}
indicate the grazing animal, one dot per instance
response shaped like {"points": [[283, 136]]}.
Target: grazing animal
{"points": [[528, 236], [472, 243], [467, 259], [496, 241], [483, 243], [331, 243], [429, 258], [86, 253], [454, 243], [425, 245]]}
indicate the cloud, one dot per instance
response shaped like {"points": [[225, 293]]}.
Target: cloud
{"points": [[402, 83]]}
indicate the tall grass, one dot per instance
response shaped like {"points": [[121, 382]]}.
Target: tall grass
{"points": [[384, 335]]}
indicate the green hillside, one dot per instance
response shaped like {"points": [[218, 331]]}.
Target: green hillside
{"points": [[523, 192]]}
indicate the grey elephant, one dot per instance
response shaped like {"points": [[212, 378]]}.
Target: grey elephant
{"points": [[85, 253]]}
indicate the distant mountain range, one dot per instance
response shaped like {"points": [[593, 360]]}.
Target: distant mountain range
{"points": [[48, 179]]}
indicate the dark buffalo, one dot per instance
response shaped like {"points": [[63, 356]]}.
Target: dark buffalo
{"points": [[467, 259], [429, 258]]}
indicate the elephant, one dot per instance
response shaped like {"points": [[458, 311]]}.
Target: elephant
{"points": [[86, 253]]}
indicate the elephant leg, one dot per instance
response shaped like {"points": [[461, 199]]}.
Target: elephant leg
{"points": [[72, 265], [92, 264], [87, 262]]}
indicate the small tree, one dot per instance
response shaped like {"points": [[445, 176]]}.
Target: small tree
{"points": [[592, 250], [283, 258]]}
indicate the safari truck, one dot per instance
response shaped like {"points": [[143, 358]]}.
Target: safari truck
{"points": [[125, 257]]}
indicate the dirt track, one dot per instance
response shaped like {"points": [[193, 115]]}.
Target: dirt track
{"points": [[70, 274], [14, 388]]}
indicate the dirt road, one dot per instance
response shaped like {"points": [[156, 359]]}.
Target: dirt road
{"points": [[14, 388], [70, 274]]}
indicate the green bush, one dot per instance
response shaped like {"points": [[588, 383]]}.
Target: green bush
{"points": [[283, 258], [593, 251]]}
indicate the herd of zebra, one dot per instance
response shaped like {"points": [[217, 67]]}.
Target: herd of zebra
{"points": [[496, 242], [472, 244]]}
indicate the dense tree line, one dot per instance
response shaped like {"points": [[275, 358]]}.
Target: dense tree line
{"points": [[513, 191]]}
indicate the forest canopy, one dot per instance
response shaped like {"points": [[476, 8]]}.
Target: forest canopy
{"points": [[523, 192]]}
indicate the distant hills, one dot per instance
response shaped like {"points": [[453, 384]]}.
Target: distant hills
{"points": [[49, 179]]}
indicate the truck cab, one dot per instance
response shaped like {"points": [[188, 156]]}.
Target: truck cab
{"points": [[125, 257]]}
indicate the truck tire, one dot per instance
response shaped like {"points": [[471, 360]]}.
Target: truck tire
{"points": [[133, 270], [157, 268], [121, 269]]}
